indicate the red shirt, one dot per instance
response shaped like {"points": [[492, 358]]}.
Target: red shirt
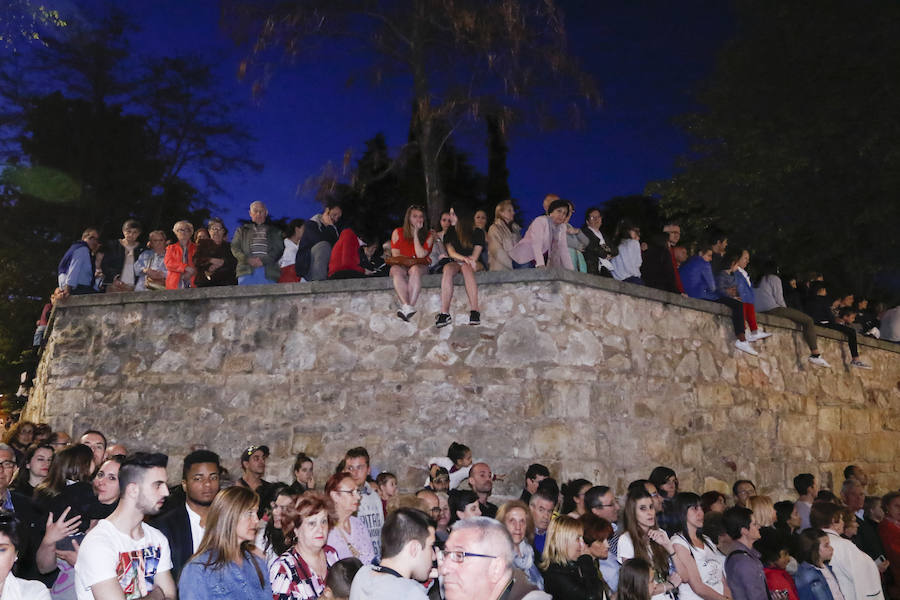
{"points": [[408, 247], [175, 263], [779, 579]]}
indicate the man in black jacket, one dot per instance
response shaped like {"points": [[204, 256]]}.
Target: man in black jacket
{"points": [[183, 526]]}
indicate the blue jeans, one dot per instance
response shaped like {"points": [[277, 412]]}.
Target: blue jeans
{"points": [[256, 277]]}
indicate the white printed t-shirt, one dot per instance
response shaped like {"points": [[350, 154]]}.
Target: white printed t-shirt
{"points": [[107, 553]]}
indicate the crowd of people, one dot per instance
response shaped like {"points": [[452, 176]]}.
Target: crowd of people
{"points": [[83, 519], [465, 243]]}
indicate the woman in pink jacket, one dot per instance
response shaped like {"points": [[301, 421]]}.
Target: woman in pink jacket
{"points": [[545, 241]]}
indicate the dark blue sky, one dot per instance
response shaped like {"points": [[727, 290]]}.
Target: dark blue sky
{"points": [[646, 55]]}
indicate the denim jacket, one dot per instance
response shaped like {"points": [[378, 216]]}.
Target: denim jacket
{"points": [[811, 584], [235, 582]]}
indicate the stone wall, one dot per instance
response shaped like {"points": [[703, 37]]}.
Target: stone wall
{"points": [[592, 377]]}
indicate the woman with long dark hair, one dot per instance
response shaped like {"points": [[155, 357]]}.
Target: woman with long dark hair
{"points": [[643, 539], [700, 564], [463, 505], [38, 458], [68, 484], [464, 243], [573, 497], [227, 564]]}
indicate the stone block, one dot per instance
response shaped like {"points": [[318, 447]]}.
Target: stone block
{"points": [[855, 420], [796, 431], [714, 395], [829, 418]]}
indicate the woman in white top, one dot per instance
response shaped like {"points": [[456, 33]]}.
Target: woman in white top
{"points": [[289, 256], [626, 265], [11, 587], [643, 539], [699, 563]]}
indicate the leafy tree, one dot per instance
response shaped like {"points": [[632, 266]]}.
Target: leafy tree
{"points": [[461, 58], [795, 152], [22, 21]]}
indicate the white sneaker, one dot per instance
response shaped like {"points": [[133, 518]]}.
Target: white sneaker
{"points": [[408, 310], [818, 360], [860, 364], [759, 334], [745, 347]]}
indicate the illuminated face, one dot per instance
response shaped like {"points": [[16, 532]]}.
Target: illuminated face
{"points": [[893, 509], [388, 489], [281, 503], [532, 484], [131, 234], [183, 231], [7, 555], [158, 243], [595, 219], [97, 445], [256, 463], [745, 259], [541, 512], [655, 496], [645, 514], [202, 483], [669, 487], [481, 479], [346, 497], [247, 525], [481, 219], [707, 256], [599, 549], [445, 221], [826, 551], [608, 507], [445, 513], [152, 491], [217, 232], [674, 232], [92, 240], [559, 215], [358, 467], [332, 215], [575, 547], [695, 516], [516, 522], [744, 491], [258, 213], [106, 482], [7, 468], [417, 218], [718, 506], [507, 213], [471, 510], [39, 465], [470, 578], [305, 473]]}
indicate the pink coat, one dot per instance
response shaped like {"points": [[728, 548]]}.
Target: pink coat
{"points": [[544, 237]]}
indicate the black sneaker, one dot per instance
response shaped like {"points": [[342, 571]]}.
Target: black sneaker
{"points": [[402, 316], [443, 319], [474, 317]]}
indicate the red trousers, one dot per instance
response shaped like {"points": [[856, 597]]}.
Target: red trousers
{"points": [[750, 315]]}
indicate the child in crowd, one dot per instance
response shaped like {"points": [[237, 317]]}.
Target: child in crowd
{"points": [[386, 484], [774, 550], [634, 580]]}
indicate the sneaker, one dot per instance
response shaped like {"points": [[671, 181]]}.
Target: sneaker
{"points": [[474, 317], [757, 335], [408, 310], [443, 319], [859, 364], [745, 347], [818, 360], [402, 315]]}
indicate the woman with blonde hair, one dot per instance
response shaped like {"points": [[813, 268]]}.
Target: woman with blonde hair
{"points": [[503, 234], [227, 564], [763, 510], [568, 569], [410, 247]]}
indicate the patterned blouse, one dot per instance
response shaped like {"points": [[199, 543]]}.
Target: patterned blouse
{"points": [[357, 543], [292, 579]]}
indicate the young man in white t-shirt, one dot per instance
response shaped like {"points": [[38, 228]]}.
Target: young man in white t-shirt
{"points": [[370, 511], [122, 558]]}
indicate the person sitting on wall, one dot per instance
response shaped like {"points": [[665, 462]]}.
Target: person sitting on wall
{"points": [[502, 236], [216, 264], [819, 308], [257, 246], [727, 290], [289, 256], [545, 242], [769, 295], [626, 265], [464, 243], [438, 254], [76, 268], [411, 245], [745, 291], [576, 241], [319, 236]]}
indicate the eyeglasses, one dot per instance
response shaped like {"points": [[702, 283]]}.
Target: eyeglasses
{"points": [[8, 464], [436, 510], [352, 492], [601, 505], [458, 556], [441, 480]]}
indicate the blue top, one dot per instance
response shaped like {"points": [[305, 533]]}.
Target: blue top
{"points": [[811, 584], [80, 271], [725, 280], [744, 289], [697, 279], [235, 582]]}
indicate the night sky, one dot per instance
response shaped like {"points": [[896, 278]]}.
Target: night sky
{"points": [[647, 56]]}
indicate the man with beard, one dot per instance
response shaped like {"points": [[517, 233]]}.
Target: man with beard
{"points": [[183, 526], [481, 480], [122, 557]]}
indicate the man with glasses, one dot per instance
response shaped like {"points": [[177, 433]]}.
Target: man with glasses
{"points": [[477, 564], [430, 499], [370, 512], [407, 545], [59, 440], [743, 567], [601, 501], [743, 489], [31, 530], [76, 269]]}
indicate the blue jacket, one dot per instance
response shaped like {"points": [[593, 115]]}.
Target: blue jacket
{"points": [[199, 582], [697, 279], [76, 267], [744, 289], [811, 584]]}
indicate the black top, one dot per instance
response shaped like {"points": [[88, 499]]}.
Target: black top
{"points": [[578, 580], [451, 239], [80, 497], [224, 275]]}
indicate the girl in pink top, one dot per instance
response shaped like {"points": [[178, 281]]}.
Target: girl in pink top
{"points": [[546, 236]]}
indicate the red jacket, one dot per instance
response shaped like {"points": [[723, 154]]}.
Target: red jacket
{"points": [[345, 254], [779, 579], [175, 264]]}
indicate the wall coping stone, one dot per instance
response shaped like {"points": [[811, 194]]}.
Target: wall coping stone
{"points": [[338, 286]]}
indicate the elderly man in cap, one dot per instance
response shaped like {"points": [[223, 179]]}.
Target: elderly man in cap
{"points": [[477, 564], [253, 468]]}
